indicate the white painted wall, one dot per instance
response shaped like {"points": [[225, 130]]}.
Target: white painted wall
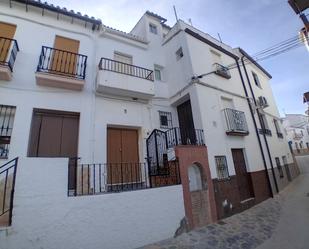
{"points": [[44, 217]]}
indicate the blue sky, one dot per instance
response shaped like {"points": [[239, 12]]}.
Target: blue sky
{"points": [[250, 24]]}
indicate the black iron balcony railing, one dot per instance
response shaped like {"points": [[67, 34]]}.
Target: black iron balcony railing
{"points": [[236, 122], [124, 68], [265, 131], [100, 178], [7, 187], [222, 71], [279, 135], [8, 52], [160, 141], [62, 63]]}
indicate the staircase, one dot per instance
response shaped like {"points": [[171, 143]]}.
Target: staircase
{"points": [[7, 186]]}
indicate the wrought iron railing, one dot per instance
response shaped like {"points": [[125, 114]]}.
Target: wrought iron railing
{"points": [[235, 121], [124, 68], [222, 70], [7, 188], [100, 178], [8, 52], [160, 141], [7, 114], [62, 62], [265, 131]]}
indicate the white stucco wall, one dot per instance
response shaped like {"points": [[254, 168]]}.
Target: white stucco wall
{"points": [[44, 217]]}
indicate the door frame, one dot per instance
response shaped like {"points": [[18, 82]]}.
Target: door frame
{"points": [[249, 179]]}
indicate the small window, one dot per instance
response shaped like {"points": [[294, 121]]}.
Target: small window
{"points": [[7, 114], [256, 79], [179, 53], [124, 58], [307, 144], [279, 167], [222, 169], [158, 74], [165, 120], [153, 28], [277, 126], [263, 121]]}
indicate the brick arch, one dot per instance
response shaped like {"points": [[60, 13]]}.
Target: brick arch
{"points": [[195, 155]]}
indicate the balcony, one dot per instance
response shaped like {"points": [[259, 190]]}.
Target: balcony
{"points": [[62, 69], [265, 131], [222, 71], [118, 78], [8, 52], [235, 122]]}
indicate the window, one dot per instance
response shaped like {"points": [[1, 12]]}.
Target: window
{"points": [[53, 134], [124, 58], [279, 134], [165, 120], [158, 74], [222, 169], [307, 144], [279, 167], [256, 79], [179, 53], [7, 114], [153, 28], [158, 70]]}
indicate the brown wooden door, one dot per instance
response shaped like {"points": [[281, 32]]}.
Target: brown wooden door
{"points": [[186, 124], [243, 178], [65, 60], [122, 156], [54, 134], [6, 31]]}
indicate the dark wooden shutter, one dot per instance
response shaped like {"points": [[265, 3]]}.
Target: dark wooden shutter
{"points": [[54, 134]]}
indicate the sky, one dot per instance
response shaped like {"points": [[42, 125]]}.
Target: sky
{"points": [[250, 24]]}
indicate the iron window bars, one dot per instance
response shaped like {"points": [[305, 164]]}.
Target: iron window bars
{"points": [[7, 114], [222, 168]]}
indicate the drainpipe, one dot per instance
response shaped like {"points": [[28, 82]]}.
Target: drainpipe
{"points": [[261, 123], [256, 129]]}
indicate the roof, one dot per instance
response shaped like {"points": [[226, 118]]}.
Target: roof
{"points": [[59, 10], [162, 19], [299, 5], [210, 43], [254, 62]]}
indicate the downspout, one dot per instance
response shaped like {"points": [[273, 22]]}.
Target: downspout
{"points": [[262, 125], [256, 129]]}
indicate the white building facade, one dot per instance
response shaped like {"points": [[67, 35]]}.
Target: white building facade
{"points": [[296, 127], [123, 131]]}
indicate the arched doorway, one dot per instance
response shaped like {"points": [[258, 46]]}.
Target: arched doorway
{"points": [[199, 195]]}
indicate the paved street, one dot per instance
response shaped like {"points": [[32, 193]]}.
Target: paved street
{"points": [[282, 222]]}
